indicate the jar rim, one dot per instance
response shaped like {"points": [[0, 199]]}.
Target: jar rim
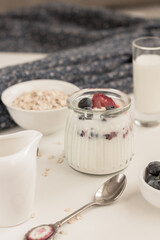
{"points": [[71, 100]]}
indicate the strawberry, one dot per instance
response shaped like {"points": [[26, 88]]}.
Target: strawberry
{"points": [[100, 100]]}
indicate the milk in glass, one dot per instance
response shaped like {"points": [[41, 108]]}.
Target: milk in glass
{"points": [[146, 71]]}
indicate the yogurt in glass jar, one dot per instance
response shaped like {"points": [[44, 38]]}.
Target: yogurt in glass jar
{"points": [[99, 136]]}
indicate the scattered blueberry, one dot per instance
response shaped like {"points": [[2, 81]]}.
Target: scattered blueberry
{"points": [[153, 168], [110, 107], [85, 103]]}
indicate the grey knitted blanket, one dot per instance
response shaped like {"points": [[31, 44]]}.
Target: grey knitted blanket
{"points": [[86, 46]]}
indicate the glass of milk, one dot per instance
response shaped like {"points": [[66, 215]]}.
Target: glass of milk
{"points": [[146, 79]]}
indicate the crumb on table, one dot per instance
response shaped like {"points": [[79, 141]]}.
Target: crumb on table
{"points": [[33, 215], [57, 143], [60, 160], [47, 169], [63, 232], [46, 172], [67, 210], [51, 157]]}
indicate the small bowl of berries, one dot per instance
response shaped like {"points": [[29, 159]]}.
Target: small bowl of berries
{"points": [[150, 183]]}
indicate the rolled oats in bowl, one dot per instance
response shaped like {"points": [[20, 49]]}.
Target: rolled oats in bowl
{"points": [[39, 104], [40, 100]]}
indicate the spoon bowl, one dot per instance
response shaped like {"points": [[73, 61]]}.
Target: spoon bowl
{"points": [[110, 190]]}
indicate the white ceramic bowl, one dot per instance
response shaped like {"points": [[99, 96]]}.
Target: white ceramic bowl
{"points": [[46, 122], [150, 194]]}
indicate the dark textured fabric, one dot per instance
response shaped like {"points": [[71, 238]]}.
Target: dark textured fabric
{"points": [[88, 47]]}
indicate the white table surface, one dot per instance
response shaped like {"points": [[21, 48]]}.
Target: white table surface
{"points": [[131, 217]]}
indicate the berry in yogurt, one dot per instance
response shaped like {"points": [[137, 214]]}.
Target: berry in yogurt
{"points": [[100, 100], [110, 107], [85, 103]]}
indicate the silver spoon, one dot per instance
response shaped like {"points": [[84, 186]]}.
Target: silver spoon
{"points": [[106, 194]]}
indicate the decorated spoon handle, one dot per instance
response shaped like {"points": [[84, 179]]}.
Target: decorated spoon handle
{"points": [[47, 231], [64, 220]]}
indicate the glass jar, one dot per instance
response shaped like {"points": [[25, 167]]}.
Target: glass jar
{"points": [[99, 141]]}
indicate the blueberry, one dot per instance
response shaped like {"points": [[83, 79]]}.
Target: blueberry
{"points": [[85, 103], [110, 107], [153, 168], [93, 133], [150, 177], [155, 184]]}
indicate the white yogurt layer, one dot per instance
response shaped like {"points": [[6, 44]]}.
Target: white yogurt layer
{"points": [[99, 147]]}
